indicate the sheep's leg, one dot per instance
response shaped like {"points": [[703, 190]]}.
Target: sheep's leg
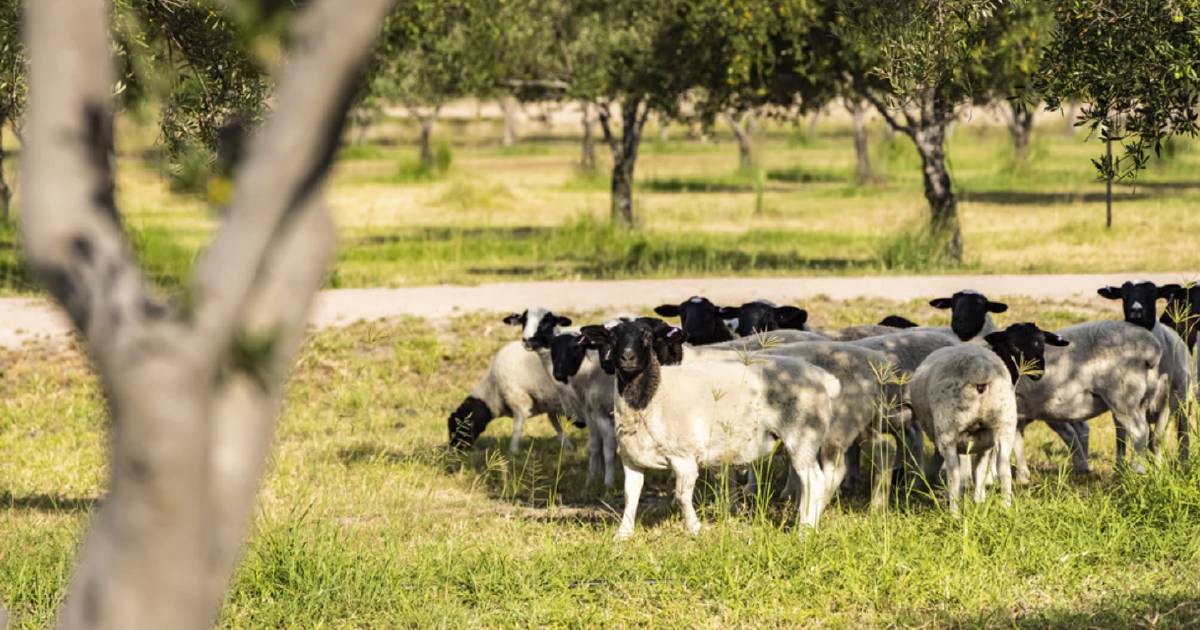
{"points": [[633, 492], [514, 445], [812, 491], [1079, 450], [949, 452], [853, 475], [686, 471], [608, 433], [833, 467], [883, 461], [558, 429], [912, 448], [1019, 454], [595, 448], [984, 463], [1120, 454], [1181, 426], [1004, 448]]}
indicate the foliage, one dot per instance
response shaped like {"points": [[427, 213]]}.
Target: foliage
{"points": [[13, 87], [1134, 64]]}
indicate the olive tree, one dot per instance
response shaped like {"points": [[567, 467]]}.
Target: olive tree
{"points": [[1135, 65], [13, 87], [192, 388]]}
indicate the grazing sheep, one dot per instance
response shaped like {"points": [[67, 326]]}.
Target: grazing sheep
{"points": [[1109, 366], [763, 316], [867, 408], [515, 385], [1139, 303], [586, 391], [700, 320], [963, 397], [683, 417]]}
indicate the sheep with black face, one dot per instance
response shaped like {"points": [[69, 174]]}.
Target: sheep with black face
{"points": [[763, 316], [963, 397], [700, 320], [1182, 312], [587, 392], [538, 326], [684, 417], [1139, 301]]}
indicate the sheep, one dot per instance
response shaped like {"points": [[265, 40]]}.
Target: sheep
{"points": [[683, 417], [700, 319], [1183, 312], [890, 324], [970, 315], [870, 392], [763, 316], [515, 385], [1139, 303], [538, 326], [945, 408], [1109, 366], [586, 391]]}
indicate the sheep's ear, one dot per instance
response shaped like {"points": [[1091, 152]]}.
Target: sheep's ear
{"points": [[667, 310], [563, 321], [942, 303], [1109, 292], [671, 333], [791, 316], [1168, 290], [729, 312], [1052, 339], [514, 319], [996, 338], [996, 307], [596, 334]]}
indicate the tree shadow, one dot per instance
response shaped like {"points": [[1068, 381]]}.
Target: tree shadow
{"points": [[696, 184], [801, 175], [1027, 197], [47, 502]]}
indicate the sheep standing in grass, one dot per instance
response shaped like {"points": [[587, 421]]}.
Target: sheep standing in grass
{"points": [[587, 392], [963, 397], [515, 385], [1139, 303], [1109, 366], [720, 412]]}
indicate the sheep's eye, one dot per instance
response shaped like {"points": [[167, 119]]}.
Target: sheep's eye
{"points": [[982, 387]]}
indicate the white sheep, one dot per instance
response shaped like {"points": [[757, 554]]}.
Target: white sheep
{"points": [[730, 412], [1109, 366], [515, 385]]}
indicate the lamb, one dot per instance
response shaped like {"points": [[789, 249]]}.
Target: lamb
{"points": [[1139, 303], [515, 385], [586, 391], [867, 407], [1109, 366], [963, 398], [683, 417]]}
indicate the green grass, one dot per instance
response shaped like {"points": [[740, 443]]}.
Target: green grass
{"points": [[366, 521], [485, 212]]}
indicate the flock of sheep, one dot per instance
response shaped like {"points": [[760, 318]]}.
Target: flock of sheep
{"points": [[731, 384]]}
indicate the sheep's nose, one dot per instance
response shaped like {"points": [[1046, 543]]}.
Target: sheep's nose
{"points": [[627, 354], [1136, 307]]}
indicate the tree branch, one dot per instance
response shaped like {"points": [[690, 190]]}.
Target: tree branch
{"points": [[886, 112], [605, 117]]}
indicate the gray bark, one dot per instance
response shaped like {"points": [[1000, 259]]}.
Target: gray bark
{"points": [[1108, 181], [624, 153], [508, 107], [1020, 127], [741, 133], [425, 141], [192, 409], [5, 191], [862, 156], [587, 158]]}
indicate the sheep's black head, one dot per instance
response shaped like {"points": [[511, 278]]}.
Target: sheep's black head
{"points": [[538, 326], [896, 321], [700, 319], [1139, 300], [468, 422], [1183, 311], [566, 354], [760, 316], [968, 312], [1023, 346], [629, 347]]}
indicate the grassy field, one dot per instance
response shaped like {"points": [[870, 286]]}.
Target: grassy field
{"points": [[366, 521], [526, 211]]}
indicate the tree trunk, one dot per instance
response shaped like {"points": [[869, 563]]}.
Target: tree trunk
{"points": [[426, 141], [5, 191], [930, 140], [1020, 126], [1069, 115], [812, 123], [862, 167], [508, 107], [624, 153], [1108, 183], [741, 132], [587, 159]]}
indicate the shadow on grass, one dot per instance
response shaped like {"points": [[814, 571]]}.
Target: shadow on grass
{"points": [[801, 175], [46, 502], [697, 184], [1024, 197], [1138, 610]]}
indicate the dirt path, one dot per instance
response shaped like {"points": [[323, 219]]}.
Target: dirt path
{"points": [[25, 319]]}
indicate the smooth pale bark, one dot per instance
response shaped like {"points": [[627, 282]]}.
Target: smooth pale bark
{"points": [[862, 156], [587, 158], [1020, 127], [5, 189], [624, 153], [508, 107], [192, 393], [740, 126]]}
